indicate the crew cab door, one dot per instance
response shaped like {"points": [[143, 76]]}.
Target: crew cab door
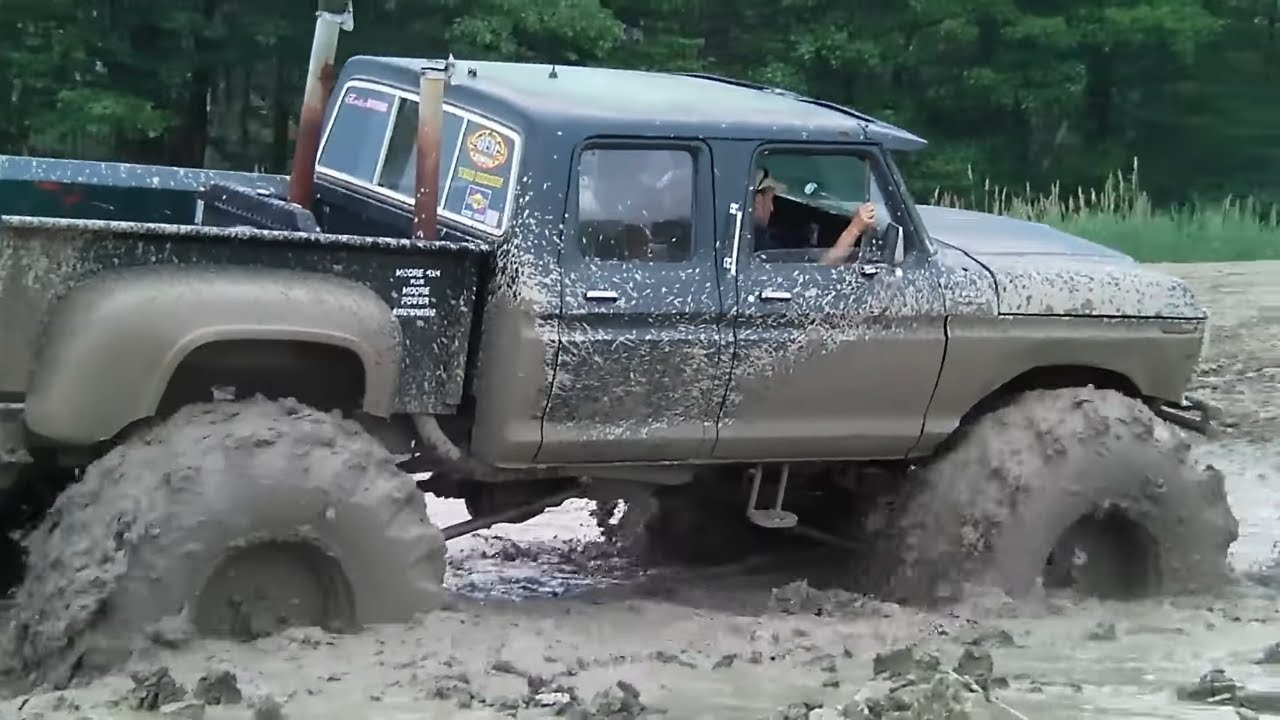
{"points": [[640, 367], [829, 362]]}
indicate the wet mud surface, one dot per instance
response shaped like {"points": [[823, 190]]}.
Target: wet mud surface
{"points": [[545, 620]]}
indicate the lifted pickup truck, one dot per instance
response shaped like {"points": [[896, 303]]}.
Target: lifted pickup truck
{"points": [[539, 282]]}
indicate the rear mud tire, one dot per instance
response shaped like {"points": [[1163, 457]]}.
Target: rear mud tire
{"points": [[1084, 471], [226, 490]]}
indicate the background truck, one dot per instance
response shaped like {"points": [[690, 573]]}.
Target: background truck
{"points": [[538, 282]]}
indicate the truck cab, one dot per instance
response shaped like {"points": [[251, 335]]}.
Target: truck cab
{"points": [[628, 317], [627, 314]]}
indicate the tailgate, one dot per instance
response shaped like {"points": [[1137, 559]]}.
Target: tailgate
{"points": [[428, 287]]}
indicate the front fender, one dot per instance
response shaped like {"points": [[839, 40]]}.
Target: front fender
{"points": [[112, 342]]}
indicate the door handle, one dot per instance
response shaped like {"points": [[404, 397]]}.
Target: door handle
{"points": [[602, 295], [778, 295]]}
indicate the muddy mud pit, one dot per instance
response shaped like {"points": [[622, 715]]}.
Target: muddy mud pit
{"points": [[546, 620]]}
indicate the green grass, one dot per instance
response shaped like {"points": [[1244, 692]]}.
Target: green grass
{"points": [[1121, 216]]}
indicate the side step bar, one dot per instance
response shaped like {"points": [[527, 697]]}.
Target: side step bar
{"points": [[775, 517]]}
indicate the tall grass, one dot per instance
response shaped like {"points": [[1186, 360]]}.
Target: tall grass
{"points": [[1120, 215]]}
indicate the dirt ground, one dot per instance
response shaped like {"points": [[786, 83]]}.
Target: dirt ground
{"points": [[544, 605]]}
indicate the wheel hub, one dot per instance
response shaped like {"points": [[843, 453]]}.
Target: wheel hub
{"points": [[1106, 554], [263, 588]]}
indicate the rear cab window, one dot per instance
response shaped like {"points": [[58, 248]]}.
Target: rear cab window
{"points": [[370, 143]]}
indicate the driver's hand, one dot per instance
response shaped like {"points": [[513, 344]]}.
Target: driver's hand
{"points": [[865, 218]]}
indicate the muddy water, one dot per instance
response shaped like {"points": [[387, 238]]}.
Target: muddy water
{"points": [[546, 599]]}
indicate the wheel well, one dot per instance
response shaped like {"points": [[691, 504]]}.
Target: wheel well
{"points": [[1047, 377], [1052, 377], [326, 377]]}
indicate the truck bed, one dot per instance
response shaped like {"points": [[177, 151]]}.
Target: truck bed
{"points": [[428, 287]]}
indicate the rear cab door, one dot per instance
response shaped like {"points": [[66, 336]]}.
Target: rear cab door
{"points": [[829, 362], [641, 365]]}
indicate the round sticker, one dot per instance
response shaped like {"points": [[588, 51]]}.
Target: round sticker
{"points": [[487, 149]]}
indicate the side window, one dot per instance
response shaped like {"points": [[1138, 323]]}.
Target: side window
{"points": [[355, 137], [636, 204], [801, 201], [399, 170]]}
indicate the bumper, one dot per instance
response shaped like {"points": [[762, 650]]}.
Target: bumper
{"points": [[1192, 414]]}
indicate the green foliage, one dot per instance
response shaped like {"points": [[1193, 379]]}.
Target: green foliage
{"points": [[1038, 94], [1122, 215]]}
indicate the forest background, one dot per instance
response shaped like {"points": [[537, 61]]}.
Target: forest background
{"points": [[1149, 125]]}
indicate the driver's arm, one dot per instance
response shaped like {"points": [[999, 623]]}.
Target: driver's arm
{"points": [[862, 220]]}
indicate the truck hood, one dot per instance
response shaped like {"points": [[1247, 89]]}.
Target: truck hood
{"points": [[1040, 270], [981, 234]]}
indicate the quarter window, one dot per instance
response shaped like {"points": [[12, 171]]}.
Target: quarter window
{"points": [[361, 124], [400, 168], [636, 205], [372, 140]]}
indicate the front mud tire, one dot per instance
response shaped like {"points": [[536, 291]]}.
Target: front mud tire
{"points": [[167, 523], [1075, 482]]}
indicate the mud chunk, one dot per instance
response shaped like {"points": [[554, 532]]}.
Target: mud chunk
{"points": [[554, 695], [152, 690], [824, 713], [1212, 685], [456, 688], [1246, 714], [794, 711], [185, 710], [798, 598], [725, 661], [1270, 655], [1103, 631], [856, 710], [218, 687], [993, 637], [172, 632], [506, 667], [620, 701], [670, 658], [977, 665], [943, 696], [826, 662], [268, 708], [62, 703], [909, 660], [309, 637], [551, 699]]}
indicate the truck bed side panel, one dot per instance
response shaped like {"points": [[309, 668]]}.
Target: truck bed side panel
{"points": [[430, 289]]}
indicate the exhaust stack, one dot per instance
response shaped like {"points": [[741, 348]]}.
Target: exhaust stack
{"points": [[430, 125], [320, 80]]}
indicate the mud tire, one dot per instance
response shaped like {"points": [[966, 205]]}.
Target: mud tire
{"points": [[990, 511], [137, 539]]}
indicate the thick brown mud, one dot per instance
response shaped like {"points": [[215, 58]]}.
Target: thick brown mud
{"points": [[544, 617]]}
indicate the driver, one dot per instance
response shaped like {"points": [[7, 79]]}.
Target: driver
{"points": [[763, 192]]}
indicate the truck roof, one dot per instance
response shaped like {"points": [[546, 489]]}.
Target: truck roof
{"points": [[635, 102]]}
